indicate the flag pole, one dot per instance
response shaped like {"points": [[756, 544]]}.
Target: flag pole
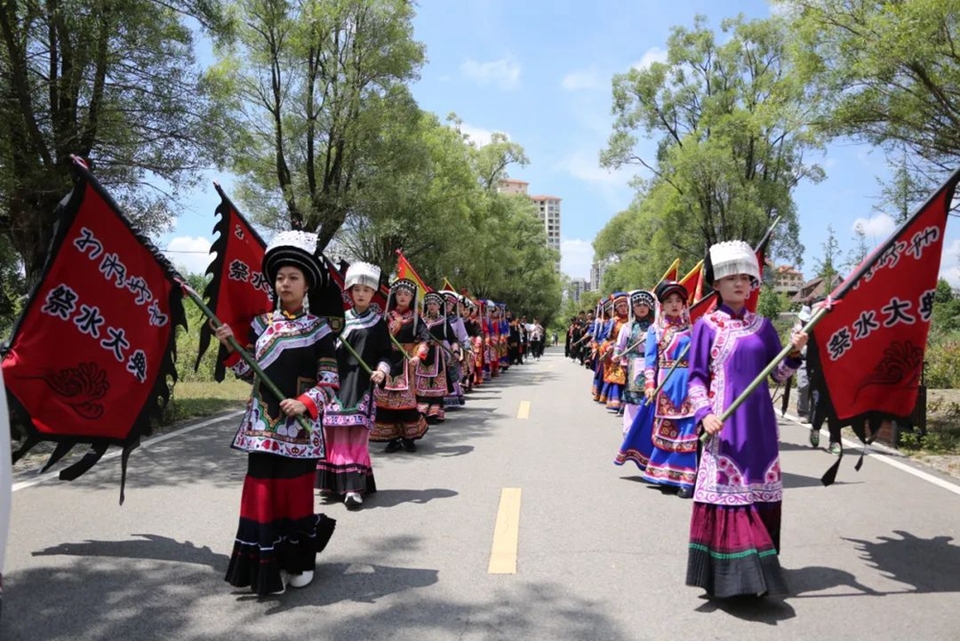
{"points": [[762, 376], [353, 352], [247, 358]]}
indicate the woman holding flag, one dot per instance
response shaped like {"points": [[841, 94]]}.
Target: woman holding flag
{"points": [[399, 423], [614, 376], [735, 527], [279, 534], [432, 380], [347, 471]]}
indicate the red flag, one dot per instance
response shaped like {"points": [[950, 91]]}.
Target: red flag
{"points": [[693, 282], [90, 354], [871, 344], [238, 290], [703, 306], [673, 271]]}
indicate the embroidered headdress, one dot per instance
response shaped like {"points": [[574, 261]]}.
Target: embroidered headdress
{"points": [[729, 258], [362, 274], [294, 249]]}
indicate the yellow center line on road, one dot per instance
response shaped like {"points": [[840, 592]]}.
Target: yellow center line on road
{"points": [[506, 533], [524, 411]]}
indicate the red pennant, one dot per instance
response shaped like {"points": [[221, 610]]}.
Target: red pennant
{"points": [[237, 291], [90, 354], [872, 342]]}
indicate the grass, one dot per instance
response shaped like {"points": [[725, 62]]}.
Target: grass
{"points": [[943, 426], [198, 399]]}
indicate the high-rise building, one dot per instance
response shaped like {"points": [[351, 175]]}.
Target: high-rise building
{"points": [[548, 209], [578, 286], [597, 270]]}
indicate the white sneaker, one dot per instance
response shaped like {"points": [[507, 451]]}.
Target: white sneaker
{"points": [[353, 499], [301, 580]]}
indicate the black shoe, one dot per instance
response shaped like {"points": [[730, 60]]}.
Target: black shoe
{"points": [[393, 446], [685, 493], [409, 445]]}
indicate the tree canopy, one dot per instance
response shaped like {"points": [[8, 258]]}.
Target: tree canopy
{"points": [[115, 83], [732, 134]]}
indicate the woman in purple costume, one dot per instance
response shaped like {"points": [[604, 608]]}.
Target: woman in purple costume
{"points": [[735, 527]]}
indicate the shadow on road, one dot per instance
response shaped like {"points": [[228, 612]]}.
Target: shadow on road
{"points": [[757, 610], [926, 565], [795, 481], [149, 547], [392, 498], [157, 588]]}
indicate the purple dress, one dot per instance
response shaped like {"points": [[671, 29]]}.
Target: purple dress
{"points": [[735, 528]]}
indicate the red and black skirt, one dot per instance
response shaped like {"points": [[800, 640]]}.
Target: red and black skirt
{"points": [[279, 530], [734, 550]]}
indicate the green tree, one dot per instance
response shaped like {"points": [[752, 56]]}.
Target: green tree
{"points": [[905, 191], [113, 82], [859, 251], [887, 72], [944, 292], [730, 122], [946, 309], [771, 303], [423, 204], [828, 262], [310, 86]]}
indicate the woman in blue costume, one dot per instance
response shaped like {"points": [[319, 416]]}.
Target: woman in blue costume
{"points": [[673, 460], [598, 344]]}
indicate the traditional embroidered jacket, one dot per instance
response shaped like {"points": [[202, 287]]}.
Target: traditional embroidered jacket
{"points": [[296, 351]]}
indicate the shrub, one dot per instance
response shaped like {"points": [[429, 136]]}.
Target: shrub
{"points": [[943, 361]]}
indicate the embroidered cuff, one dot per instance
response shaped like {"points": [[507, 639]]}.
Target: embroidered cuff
{"points": [[312, 408], [384, 366]]}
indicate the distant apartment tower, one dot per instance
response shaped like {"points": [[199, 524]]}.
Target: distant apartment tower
{"points": [[548, 208], [578, 286], [597, 269]]}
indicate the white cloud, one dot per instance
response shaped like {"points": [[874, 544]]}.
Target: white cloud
{"points": [[505, 72], [189, 253], [580, 80], [576, 257], [477, 135], [950, 264], [650, 56], [876, 228]]}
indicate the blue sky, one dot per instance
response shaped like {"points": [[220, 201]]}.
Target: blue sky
{"points": [[540, 71]]}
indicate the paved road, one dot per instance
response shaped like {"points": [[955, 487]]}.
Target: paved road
{"points": [[600, 556]]}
